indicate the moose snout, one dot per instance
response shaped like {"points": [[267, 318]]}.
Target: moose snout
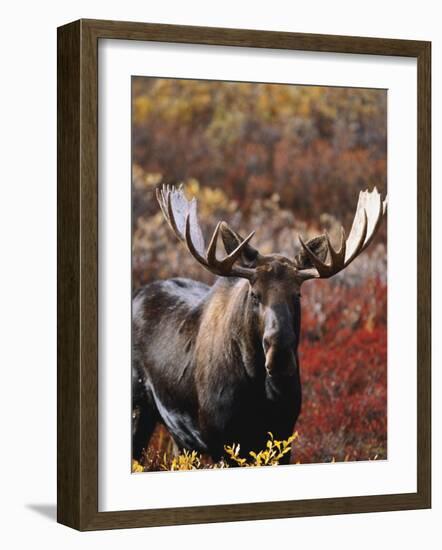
{"points": [[270, 340], [282, 340], [278, 328], [266, 344], [279, 341]]}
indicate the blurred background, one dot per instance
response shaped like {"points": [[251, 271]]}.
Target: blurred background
{"points": [[281, 160]]}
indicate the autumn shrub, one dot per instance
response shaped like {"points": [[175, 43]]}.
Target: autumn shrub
{"points": [[315, 146], [273, 452], [343, 356]]}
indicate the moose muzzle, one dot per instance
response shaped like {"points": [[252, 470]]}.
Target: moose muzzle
{"points": [[279, 341]]}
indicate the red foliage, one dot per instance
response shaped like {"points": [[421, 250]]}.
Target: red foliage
{"points": [[343, 357]]}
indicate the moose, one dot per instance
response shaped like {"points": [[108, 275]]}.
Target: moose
{"points": [[219, 365]]}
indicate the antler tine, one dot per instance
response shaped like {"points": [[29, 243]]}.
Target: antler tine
{"points": [[181, 216], [337, 256], [379, 210], [230, 259], [211, 249], [225, 266], [369, 212], [161, 198], [171, 216], [191, 246], [360, 239], [159, 195], [321, 267], [164, 196]]}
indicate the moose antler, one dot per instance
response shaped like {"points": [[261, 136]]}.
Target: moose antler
{"points": [[181, 215], [369, 212]]}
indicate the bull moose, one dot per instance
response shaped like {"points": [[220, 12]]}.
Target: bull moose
{"points": [[219, 365]]}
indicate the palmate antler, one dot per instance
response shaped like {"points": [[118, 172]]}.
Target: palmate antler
{"points": [[181, 215], [369, 213]]}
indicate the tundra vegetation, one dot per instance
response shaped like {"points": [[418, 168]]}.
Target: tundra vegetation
{"points": [[283, 161]]}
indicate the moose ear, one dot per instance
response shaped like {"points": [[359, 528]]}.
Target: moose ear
{"points": [[232, 239], [319, 246]]}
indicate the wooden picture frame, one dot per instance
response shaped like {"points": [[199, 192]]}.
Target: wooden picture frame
{"points": [[77, 128]]}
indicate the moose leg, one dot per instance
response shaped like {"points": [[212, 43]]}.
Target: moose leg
{"points": [[144, 420]]}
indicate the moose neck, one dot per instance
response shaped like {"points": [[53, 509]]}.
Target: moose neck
{"points": [[229, 328]]}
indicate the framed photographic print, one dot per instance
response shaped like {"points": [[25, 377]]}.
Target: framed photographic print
{"points": [[243, 324]]}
